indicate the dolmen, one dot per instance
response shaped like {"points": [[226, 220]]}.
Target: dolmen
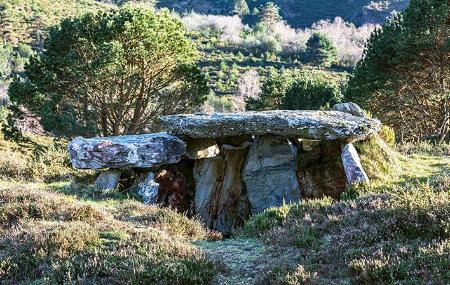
{"points": [[224, 167]]}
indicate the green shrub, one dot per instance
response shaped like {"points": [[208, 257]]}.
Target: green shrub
{"points": [[387, 134]]}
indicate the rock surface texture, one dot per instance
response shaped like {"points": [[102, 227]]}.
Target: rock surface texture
{"points": [[201, 148], [140, 151], [320, 171], [352, 165], [220, 200], [312, 125], [108, 181], [148, 189], [269, 173], [350, 108]]}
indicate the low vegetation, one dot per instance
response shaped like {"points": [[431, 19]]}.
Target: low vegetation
{"points": [[60, 239], [394, 231]]}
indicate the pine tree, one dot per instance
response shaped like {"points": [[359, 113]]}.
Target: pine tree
{"points": [[320, 50], [270, 14], [241, 8], [404, 76]]}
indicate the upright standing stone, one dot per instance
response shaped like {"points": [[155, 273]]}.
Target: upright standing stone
{"points": [[352, 165], [148, 189], [269, 173], [220, 199], [108, 181]]}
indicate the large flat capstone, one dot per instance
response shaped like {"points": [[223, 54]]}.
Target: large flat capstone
{"points": [[313, 125], [140, 151]]}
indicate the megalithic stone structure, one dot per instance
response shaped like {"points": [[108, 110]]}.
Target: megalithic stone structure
{"points": [[233, 165]]}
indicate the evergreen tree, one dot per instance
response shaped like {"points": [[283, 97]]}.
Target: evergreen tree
{"points": [[241, 8], [112, 73], [320, 50], [270, 14], [404, 76]]}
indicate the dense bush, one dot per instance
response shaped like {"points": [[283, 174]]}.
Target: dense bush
{"points": [[297, 90], [320, 50], [309, 92]]}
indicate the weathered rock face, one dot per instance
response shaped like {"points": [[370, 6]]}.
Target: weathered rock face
{"points": [[269, 173], [220, 199], [320, 171], [201, 148], [173, 189], [352, 165], [108, 181], [313, 125], [350, 108], [140, 151], [148, 188]]}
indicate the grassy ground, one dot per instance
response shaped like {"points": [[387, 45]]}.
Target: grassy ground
{"points": [[53, 238], [396, 231], [56, 230]]}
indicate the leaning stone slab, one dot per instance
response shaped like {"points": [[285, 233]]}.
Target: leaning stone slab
{"points": [[312, 125], [107, 181], [352, 165], [140, 151]]}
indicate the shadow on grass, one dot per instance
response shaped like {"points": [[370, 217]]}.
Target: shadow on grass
{"points": [[85, 191]]}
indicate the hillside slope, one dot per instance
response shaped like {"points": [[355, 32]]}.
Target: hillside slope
{"points": [[301, 13], [23, 21]]}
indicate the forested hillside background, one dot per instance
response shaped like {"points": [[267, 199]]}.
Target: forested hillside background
{"points": [[301, 13], [242, 42]]}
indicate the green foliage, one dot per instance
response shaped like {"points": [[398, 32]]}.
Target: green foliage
{"points": [[241, 8], [320, 50], [112, 73], [24, 21], [379, 160], [297, 90], [269, 14], [394, 78], [387, 134], [311, 92], [34, 159], [265, 221]]}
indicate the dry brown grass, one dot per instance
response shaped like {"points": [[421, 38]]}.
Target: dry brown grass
{"points": [[60, 239]]}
